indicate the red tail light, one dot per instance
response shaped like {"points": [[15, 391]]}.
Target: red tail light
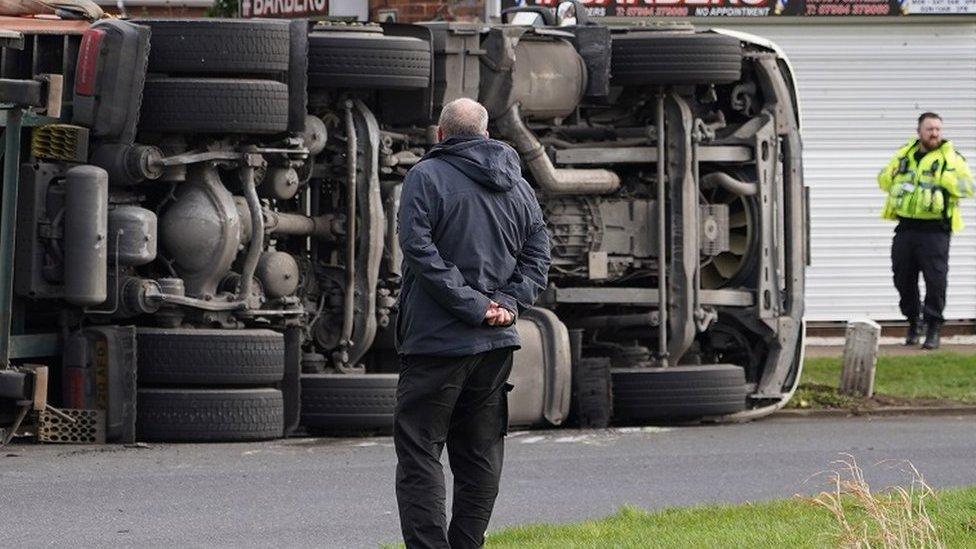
{"points": [[87, 71]]}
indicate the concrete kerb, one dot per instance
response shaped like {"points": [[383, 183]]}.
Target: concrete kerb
{"points": [[890, 346], [879, 412], [834, 346]]}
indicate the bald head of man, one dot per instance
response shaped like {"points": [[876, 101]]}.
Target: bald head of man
{"points": [[462, 117]]}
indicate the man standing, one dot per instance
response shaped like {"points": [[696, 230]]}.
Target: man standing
{"points": [[924, 182], [476, 252]]}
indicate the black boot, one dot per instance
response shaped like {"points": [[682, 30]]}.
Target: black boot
{"points": [[932, 336], [914, 332]]}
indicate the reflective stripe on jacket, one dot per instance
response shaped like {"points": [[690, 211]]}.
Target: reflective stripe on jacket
{"points": [[927, 189]]}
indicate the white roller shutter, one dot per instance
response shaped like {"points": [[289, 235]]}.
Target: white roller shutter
{"points": [[861, 88]]}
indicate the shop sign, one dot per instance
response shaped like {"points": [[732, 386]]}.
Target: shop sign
{"points": [[767, 8], [284, 8]]}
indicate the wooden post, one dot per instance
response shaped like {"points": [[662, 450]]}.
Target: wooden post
{"points": [[860, 358]]}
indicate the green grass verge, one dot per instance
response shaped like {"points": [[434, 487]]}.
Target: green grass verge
{"points": [[789, 523], [941, 375]]}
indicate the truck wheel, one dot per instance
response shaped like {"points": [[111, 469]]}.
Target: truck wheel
{"points": [[210, 357], [212, 47], [346, 402], [209, 415], [674, 58], [678, 392], [366, 60], [213, 105], [591, 403]]}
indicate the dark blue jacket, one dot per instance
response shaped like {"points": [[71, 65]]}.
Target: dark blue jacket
{"points": [[471, 231]]}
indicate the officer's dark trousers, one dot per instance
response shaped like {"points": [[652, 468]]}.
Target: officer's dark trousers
{"points": [[914, 251], [461, 401]]}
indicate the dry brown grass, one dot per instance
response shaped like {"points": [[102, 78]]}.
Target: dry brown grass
{"points": [[894, 518]]}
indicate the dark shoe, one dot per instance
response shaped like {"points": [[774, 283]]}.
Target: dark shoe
{"points": [[914, 333], [931, 337]]}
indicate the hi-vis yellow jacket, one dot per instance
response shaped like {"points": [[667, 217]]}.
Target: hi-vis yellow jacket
{"points": [[928, 189]]}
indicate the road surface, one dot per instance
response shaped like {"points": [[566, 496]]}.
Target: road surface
{"points": [[339, 492]]}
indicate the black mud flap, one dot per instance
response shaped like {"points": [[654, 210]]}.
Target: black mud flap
{"points": [[592, 402], [291, 385], [100, 373], [110, 76]]}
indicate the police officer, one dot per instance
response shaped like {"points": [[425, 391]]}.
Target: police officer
{"points": [[924, 182]]}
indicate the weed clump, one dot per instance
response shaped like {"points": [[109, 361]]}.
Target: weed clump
{"points": [[895, 518]]}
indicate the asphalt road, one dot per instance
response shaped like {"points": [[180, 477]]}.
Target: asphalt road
{"points": [[339, 493]]}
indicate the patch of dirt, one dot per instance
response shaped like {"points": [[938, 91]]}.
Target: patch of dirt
{"points": [[813, 351], [817, 396], [886, 400]]}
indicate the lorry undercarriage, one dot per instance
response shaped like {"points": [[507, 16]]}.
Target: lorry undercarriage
{"points": [[206, 236]]}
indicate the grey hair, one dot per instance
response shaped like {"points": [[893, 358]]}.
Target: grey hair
{"points": [[463, 117]]}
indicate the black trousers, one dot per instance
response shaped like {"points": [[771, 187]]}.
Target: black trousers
{"points": [[463, 402], [914, 251]]}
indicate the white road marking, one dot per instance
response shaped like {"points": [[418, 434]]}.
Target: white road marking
{"points": [[578, 438], [532, 440]]}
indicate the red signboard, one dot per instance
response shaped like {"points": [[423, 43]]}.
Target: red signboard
{"points": [[764, 8]]}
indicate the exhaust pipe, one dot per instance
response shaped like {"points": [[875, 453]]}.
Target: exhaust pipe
{"points": [[729, 183], [551, 179]]}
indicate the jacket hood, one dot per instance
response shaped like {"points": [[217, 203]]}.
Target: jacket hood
{"points": [[488, 162]]}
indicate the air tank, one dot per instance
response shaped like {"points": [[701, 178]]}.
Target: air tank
{"points": [[132, 234], [86, 236], [278, 273]]}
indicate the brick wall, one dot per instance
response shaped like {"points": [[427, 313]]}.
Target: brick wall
{"points": [[409, 11], [174, 9]]}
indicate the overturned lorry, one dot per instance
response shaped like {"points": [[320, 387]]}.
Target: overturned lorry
{"points": [[201, 218]]}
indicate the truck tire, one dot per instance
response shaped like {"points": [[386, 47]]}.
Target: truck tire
{"points": [[367, 60], [662, 58], [348, 402], [213, 105], [678, 392], [215, 47], [210, 357], [209, 415]]}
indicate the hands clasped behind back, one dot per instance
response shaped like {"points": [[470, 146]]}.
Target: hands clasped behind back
{"points": [[496, 315]]}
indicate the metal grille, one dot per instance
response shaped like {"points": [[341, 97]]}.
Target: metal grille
{"points": [[88, 428], [60, 142]]}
